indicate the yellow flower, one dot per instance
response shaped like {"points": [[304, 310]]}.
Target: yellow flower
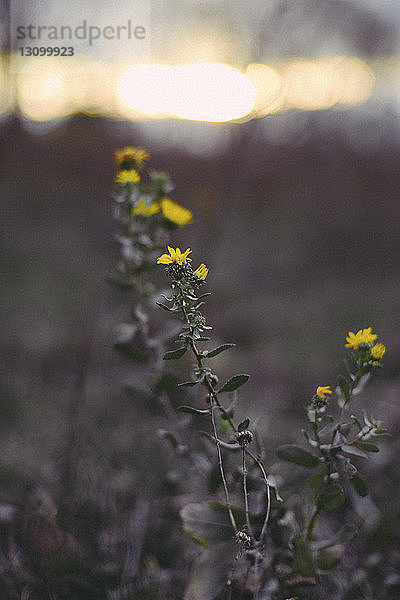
{"points": [[174, 256], [175, 212], [127, 175], [322, 391], [131, 153], [378, 351], [363, 336], [202, 271], [147, 211]]}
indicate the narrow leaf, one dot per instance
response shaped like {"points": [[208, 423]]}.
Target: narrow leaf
{"points": [[303, 558], [218, 350], [194, 411], [331, 497], [188, 383], [367, 447], [204, 296], [359, 485], [298, 456], [161, 305], [344, 386], [174, 354], [354, 451], [235, 382], [244, 425]]}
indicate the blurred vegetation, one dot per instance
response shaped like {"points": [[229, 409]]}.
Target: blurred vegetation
{"points": [[300, 233]]}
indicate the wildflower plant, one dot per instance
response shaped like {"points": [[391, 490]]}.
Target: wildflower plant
{"points": [[277, 550], [257, 542], [146, 216]]}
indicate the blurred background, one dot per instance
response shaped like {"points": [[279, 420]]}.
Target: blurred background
{"points": [[279, 125]]}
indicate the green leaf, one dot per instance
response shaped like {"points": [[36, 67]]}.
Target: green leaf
{"points": [[367, 447], [194, 411], [344, 386], [354, 451], [174, 354], [166, 382], [359, 485], [188, 383], [365, 370], [161, 305], [235, 382], [303, 559], [204, 296], [298, 456], [331, 497], [218, 350], [316, 479], [244, 425]]}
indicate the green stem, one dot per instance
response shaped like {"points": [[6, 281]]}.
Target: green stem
{"points": [[312, 522]]}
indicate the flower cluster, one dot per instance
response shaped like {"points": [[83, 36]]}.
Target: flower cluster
{"points": [[147, 199], [146, 216], [363, 342], [179, 269], [129, 161], [320, 397]]}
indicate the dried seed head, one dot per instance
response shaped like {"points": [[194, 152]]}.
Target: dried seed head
{"points": [[243, 538], [244, 437]]}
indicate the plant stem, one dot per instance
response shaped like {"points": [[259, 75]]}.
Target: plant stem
{"points": [[213, 395], [246, 497], [268, 492], [312, 522], [221, 468]]}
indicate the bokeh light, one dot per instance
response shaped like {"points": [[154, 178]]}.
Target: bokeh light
{"points": [[208, 92], [323, 83], [269, 88], [200, 92], [46, 90]]}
